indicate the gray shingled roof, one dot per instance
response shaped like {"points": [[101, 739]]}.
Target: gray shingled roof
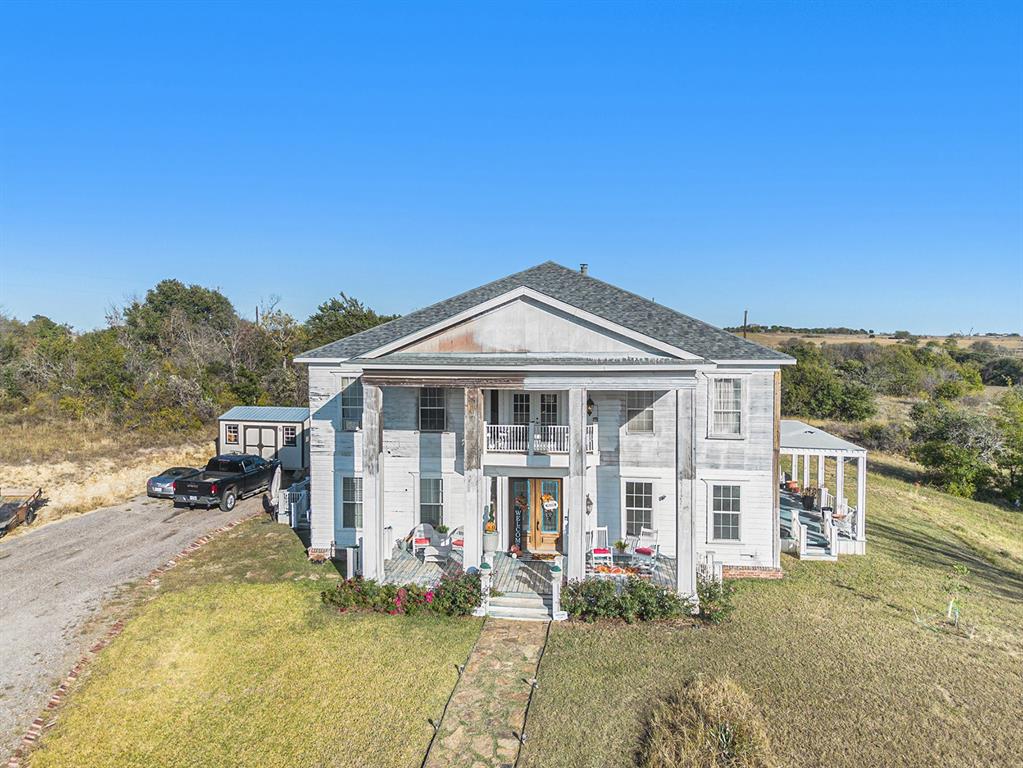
{"points": [[572, 287]]}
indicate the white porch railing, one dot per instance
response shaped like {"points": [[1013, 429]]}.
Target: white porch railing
{"points": [[530, 438], [294, 502]]}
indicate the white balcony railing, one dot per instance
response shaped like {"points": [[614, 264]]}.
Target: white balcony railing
{"points": [[530, 438]]}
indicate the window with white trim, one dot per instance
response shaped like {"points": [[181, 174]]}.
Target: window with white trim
{"points": [[290, 436], [431, 501], [726, 418], [726, 506], [548, 409], [431, 409], [520, 408], [639, 412], [231, 434], [351, 502], [351, 405], [639, 507]]}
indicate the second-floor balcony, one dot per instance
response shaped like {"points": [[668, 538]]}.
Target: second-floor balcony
{"points": [[535, 439]]}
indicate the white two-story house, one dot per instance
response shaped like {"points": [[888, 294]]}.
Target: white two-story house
{"points": [[550, 404]]}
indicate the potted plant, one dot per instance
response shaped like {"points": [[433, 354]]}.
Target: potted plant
{"points": [[809, 498], [620, 546], [490, 534], [441, 529]]}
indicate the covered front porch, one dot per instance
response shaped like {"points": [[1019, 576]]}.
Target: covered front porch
{"points": [[817, 518]]}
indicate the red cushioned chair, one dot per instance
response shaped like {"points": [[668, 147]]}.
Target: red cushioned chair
{"points": [[599, 548], [423, 536], [644, 551]]}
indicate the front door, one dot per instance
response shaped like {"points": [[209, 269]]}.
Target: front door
{"points": [[536, 520], [545, 529]]}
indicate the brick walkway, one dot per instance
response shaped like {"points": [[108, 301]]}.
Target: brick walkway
{"points": [[485, 716]]}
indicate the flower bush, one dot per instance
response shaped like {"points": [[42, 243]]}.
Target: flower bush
{"points": [[452, 596], [715, 598], [592, 599]]}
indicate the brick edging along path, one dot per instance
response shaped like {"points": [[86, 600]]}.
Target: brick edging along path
{"points": [[47, 720]]}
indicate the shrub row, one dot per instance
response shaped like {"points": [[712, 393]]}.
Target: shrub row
{"points": [[592, 599], [638, 599], [452, 596]]}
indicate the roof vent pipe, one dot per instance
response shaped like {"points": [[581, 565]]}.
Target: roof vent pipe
{"points": [[584, 269]]}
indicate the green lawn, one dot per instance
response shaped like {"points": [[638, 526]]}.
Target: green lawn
{"points": [[848, 661], [235, 662]]}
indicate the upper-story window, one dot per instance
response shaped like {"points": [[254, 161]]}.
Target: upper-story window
{"points": [[639, 412], [548, 409], [520, 408], [351, 405], [431, 409], [726, 415], [290, 435]]}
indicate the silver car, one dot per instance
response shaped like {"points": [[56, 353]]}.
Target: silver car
{"points": [[161, 486]]}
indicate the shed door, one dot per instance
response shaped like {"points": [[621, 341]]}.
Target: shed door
{"points": [[261, 441]]}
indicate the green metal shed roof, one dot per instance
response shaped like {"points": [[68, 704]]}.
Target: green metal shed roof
{"points": [[265, 413]]}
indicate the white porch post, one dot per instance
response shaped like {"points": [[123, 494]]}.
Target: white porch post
{"points": [[806, 470], [474, 487], [839, 480], [861, 498], [795, 467], [685, 547], [575, 520], [820, 471], [372, 548]]}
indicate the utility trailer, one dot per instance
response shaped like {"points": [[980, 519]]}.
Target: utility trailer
{"points": [[17, 506]]}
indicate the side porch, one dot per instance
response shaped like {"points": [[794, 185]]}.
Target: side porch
{"points": [[816, 517]]}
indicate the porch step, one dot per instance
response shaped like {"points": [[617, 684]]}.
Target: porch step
{"points": [[818, 553], [525, 606]]}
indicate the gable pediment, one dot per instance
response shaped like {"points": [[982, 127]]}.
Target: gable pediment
{"points": [[526, 325]]}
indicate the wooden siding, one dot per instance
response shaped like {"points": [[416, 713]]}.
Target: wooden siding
{"points": [[409, 455], [525, 325]]}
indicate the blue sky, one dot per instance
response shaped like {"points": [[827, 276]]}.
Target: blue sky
{"points": [[818, 164]]}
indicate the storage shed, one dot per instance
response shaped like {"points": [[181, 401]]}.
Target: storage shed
{"points": [[268, 431]]}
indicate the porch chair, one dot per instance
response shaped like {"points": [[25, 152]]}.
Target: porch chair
{"points": [[456, 539], [423, 536], [645, 548], [599, 548]]}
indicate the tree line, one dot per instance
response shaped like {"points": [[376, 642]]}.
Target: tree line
{"points": [[970, 445], [170, 362]]}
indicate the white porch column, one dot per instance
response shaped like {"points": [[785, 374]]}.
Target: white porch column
{"points": [[475, 501], [372, 548], [685, 547], [806, 470], [795, 467], [861, 498], [575, 519], [820, 471], [839, 480]]}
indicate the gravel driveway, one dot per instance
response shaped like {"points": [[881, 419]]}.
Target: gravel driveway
{"points": [[54, 578]]}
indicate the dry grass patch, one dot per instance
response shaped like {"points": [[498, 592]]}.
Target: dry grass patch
{"points": [[83, 466], [707, 723]]}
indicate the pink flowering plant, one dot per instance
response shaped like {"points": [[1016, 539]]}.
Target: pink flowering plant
{"points": [[454, 595]]}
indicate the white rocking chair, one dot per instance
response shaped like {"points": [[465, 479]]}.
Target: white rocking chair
{"points": [[599, 547], [456, 539], [645, 548], [423, 536]]}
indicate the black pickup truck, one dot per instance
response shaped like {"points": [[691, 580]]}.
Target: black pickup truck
{"points": [[226, 479]]}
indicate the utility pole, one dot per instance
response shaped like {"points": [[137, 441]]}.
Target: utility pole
{"points": [[745, 319]]}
